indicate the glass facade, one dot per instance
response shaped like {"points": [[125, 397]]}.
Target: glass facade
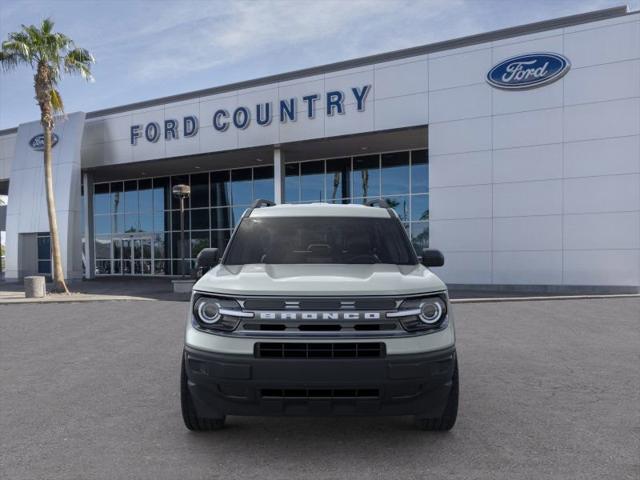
{"points": [[137, 222]]}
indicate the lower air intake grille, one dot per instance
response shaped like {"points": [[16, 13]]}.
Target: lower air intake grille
{"points": [[320, 393], [320, 350]]}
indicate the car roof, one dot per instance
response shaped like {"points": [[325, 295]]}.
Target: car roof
{"points": [[320, 210]]}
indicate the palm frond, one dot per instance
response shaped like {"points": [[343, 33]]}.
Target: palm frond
{"points": [[56, 101], [79, 61]]}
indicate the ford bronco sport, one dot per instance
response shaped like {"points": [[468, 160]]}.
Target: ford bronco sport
{"points": [[319, 309]]}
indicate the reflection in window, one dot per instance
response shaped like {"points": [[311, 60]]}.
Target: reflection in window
{"points": [[292, 183], [220, 189], [419, 171], [401, 205], [263, 183], [419, 207], [366, 177], [420, 235], [337, 179], [312, 181], [395, 173], [200, 190], [241, 191]]}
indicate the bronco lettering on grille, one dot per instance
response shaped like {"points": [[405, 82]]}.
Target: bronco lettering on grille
{"points": [[318, 315]]}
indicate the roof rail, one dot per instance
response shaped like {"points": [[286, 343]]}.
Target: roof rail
{"points": [[381, 202], [262, 203]]}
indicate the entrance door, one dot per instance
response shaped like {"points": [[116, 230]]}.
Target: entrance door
{"points": [[134, 254]]}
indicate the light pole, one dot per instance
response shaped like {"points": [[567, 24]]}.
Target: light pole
{"points": [[182, 192]]}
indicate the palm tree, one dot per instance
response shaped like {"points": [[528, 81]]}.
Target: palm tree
{"points": [[50, 55]]}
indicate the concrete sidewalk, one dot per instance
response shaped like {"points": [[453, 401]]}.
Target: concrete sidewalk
{"points": [[103, 289]]}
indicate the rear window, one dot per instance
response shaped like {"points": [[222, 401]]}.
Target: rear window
{"points": [[332, 240]]}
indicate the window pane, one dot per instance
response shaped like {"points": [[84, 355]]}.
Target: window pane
{"points": [[419, 171], [161, 221], [400, 205], [102, 224], [175, 245], [146, 222], [131, 222], [420, 207], [161, 194], [179, 180], [420, 235], [103, 247], [292, 182], [117, 198], [241, 187], [236, 214], [145, 195], [338, 179], [200, 219], [366, 176], [131, 203], [44, 247], [160, 243], [103, 267], [263, 183], [219, 239], [117, 223], [312, 181], [175, 220], [44, 266], [220, 218], [117, 248], [117, 267], [395, 173], [220, 189], [199, 240], [101, 198], [162, 267], [200, 190]]}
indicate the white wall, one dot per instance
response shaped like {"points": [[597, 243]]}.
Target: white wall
{"points": [[539, 186], [398, 99], [7, 151]]}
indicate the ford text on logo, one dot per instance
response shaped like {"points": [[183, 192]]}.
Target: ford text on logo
{"points": [[37, 142], [528, 71]]}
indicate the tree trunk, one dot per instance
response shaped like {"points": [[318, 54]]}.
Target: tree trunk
{"points": [[59, 284]]}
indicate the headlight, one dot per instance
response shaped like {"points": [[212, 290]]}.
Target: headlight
{"points": [[213, 313], [431, 311], [417, 314], [208, 310]]}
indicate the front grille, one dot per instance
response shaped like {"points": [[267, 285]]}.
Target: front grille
{"points": [[319, 350], [320, 304], [320, 393]]}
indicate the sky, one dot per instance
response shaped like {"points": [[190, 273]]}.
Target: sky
{"points": [[150, 49]]}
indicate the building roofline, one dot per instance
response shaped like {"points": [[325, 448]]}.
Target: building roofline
{"points": [[494, 35]]}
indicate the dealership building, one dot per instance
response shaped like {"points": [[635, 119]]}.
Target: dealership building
{"points": [[515, 152]]}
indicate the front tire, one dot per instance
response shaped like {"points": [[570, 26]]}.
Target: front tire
{"points": [[190, 417], [448, 418]]}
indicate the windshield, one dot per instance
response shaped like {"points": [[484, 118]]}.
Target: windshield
{"points": [[343, 240]]}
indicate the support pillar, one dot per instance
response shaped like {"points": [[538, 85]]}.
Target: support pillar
{"points": [[87, 204], [278, 175]]}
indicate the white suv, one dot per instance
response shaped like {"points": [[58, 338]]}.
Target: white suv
{"points": [[319, 309]]}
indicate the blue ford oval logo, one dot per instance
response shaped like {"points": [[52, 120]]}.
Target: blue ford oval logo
{"points": [[37, 142], [528, 71]]}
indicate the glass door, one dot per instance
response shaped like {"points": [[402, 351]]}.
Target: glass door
{"points": [[142, 256], [133, 256]]}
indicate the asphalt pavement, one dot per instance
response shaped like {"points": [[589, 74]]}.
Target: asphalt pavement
{"points": [[549, 390]]}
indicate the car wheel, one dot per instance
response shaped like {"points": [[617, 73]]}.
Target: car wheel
{"points": [[191, 419], [448, 418]]}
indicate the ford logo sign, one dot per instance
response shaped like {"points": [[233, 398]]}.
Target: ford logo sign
{"points": [[37, 142], [528, 71]]}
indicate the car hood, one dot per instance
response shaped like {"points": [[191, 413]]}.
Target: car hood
{"points": [[317, 279]]}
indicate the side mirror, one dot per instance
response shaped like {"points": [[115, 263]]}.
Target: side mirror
{"points": [[206, 260], [432, 257]]}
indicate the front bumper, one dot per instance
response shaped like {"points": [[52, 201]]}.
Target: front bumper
{"points": [[229, 384]]}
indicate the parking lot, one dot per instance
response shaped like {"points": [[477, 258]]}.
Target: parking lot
{"points": [[549, 389]]}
